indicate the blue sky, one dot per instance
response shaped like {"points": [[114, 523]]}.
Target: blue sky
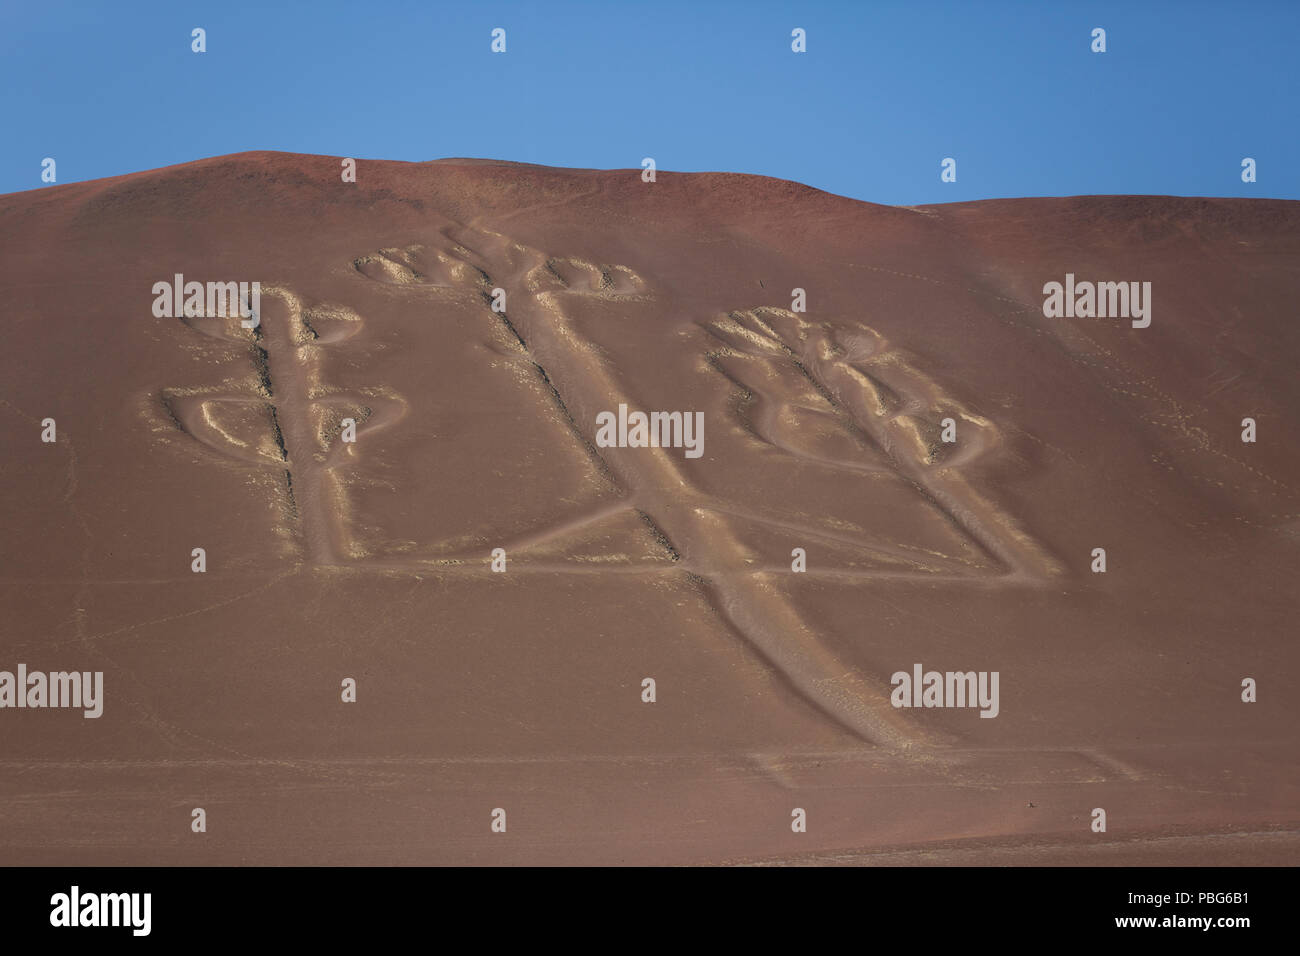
{"points": [[1010, 90]]}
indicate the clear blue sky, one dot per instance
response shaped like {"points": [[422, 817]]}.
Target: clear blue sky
{"points": [[886, 90]]}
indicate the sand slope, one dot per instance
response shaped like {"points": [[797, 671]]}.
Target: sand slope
{"points": [[477, 430]]}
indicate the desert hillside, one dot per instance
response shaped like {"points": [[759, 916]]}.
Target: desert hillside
{"points": [[451, 358]]}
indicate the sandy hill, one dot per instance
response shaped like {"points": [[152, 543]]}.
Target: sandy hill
{"points": [[476, 429]]}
